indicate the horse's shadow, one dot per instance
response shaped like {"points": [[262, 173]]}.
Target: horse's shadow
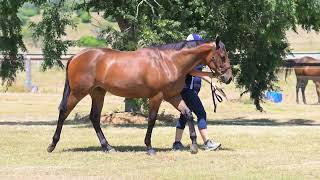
{"points": [[121, 148], [124, 148]]}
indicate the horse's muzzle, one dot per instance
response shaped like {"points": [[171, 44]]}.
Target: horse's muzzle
{"points": [[226, 79]]}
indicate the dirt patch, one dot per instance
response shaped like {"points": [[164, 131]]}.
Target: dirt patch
{"points": [[120, 118], [134, 118], [123, 118]]}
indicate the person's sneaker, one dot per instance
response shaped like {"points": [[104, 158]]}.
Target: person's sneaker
{"points": [[211, 145], [177, 146]]}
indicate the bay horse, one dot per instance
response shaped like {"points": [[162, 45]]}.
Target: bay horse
{"points": [[157, 73], [305, 68]]}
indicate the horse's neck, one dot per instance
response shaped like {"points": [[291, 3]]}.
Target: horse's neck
{"points": [[187, 59]]}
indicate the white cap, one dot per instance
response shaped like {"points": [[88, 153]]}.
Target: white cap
{"points": [[192, 37]]}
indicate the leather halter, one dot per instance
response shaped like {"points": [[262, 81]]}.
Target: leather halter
{"points": [[219, 70], [214, 89]]}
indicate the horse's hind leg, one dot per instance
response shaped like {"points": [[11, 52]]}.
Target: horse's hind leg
{"points": [[180, 105], [297, 92], [303, 89], [317, 83], [97, 103], [71, 103], [154, 104]]}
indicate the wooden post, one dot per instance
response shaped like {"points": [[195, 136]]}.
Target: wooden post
{"points": [[27, 64]]}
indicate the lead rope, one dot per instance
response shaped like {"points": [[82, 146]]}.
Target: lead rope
{"points": [[215, 95]]}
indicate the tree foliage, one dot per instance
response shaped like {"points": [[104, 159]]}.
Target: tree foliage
{"points": [[253, 30], [55, 19], [10, 41], [308, 14]]}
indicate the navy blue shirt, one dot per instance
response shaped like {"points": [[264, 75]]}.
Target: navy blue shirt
{"points": [[193, 82]]}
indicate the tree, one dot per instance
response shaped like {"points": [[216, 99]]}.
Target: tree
{"points": [[55, 18], [10, 41], [253, 31], [52, 28]]}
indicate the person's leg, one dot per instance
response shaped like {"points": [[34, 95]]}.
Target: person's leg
{"points": [[204, 134], [180, 105], [181, 124], [194, 103]]}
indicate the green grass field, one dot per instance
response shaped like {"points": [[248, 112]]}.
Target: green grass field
{"points": [[281, 143]]}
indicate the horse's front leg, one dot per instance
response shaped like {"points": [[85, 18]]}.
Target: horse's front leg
{"points": [[180, 105], [154, 104]]}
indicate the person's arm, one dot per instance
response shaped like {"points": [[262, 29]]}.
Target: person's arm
{"points": [[201, 74], [206, 76]]}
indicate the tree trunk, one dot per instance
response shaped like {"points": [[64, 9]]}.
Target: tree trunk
{"points": [[128, 106], [124, 25]]}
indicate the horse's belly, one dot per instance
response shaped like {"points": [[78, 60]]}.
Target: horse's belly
{"points": [[131, 90], [309, 73]]}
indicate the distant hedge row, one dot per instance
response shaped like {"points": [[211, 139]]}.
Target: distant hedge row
{"points": [[90, 41], [26, 12]]}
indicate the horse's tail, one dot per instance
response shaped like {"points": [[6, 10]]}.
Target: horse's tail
{"points": [[66, 91], [289, 64]]}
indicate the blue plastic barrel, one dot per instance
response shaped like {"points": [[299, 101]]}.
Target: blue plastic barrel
{"points": [[275, 97]]}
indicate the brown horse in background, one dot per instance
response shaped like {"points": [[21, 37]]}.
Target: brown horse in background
{"points": [[305, 68], [157, 73]]}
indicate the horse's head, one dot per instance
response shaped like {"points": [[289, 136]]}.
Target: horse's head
{"points": [[219, 62]]}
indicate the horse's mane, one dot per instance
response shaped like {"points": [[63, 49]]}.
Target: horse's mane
{"points": [[180, 45]]}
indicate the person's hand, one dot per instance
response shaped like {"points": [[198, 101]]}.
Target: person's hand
{"points": [[211, 75]]}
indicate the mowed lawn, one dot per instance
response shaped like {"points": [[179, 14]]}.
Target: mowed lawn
{"points": [[281, 143]]}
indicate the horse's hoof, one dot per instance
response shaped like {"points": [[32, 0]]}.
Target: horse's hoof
{"points": [[51, 147], [108, 149], [151, 152], [194, 148]]}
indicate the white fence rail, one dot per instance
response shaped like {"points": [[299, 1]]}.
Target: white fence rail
{"points": [[301, 54]]}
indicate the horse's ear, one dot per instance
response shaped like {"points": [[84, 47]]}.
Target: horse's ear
{"points": [[217, 42]]}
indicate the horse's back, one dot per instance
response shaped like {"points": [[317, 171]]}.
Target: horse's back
{"points": [[311, 72], [141, 73]]}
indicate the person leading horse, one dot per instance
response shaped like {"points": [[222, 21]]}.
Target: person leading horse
{"points": [[155, 73]]}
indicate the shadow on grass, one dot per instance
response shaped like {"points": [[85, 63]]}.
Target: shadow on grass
{"points": [[77, 120], [240, 121], [38, 123], [168, 121], [129, 149]]}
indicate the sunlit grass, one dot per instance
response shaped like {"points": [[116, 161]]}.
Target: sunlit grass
{"points": [[248, 152]]}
